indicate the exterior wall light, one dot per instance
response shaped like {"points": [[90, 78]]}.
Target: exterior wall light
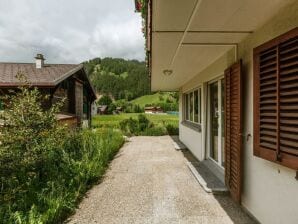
{"points": [[167, 72]]}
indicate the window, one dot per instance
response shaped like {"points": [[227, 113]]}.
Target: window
{"points": [[192, 106], [186, 107], [276, 100], [196, 106]]}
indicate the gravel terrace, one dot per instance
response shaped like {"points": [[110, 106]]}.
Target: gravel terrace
{"points": [[149, 182]]}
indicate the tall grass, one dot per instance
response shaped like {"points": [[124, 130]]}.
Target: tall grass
{"points": [[68, 172], [145, 127], [44, 167], [159, 120]]}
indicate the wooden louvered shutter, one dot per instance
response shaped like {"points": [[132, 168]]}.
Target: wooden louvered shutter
{"points": [[276, 100], [233, 130]]}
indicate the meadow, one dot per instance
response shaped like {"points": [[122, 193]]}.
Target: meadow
{"points": [[112, 121]]}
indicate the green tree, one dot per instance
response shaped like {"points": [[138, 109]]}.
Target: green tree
{"points": [[31, 140], [124, 79], [105, 100]]}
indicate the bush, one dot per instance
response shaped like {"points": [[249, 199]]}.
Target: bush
{"points": [[129, 126], [154, 131], [143, 126], [129, 107], [172, 129], [44, 168], [137, 109], [168, 106], [105, 100], [111, 108], [144, 123], [135, 126]]}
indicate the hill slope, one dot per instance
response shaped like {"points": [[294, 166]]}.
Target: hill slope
{"points": [[149, 99], [167, 100], [123, 79]]}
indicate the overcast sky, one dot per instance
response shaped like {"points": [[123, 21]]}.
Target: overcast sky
{"points": [[69, 31]]}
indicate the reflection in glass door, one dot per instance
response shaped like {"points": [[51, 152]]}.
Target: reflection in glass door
{"points": [[216, 121], [213, 88], [222, 121]]}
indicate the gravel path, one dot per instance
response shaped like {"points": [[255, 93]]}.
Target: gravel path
{"points": [[149, 182]]}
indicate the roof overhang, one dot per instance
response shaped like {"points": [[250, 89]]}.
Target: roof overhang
{"points": [[185, 37], [56, 82]]}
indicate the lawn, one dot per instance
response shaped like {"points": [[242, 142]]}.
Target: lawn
{"points": [[112, 121], [151, 99]]}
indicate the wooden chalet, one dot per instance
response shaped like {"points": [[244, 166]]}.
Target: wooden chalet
{"points": [[59, 81]]}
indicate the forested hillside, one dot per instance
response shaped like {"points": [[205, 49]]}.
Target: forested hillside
{"points": [[123, 79]]}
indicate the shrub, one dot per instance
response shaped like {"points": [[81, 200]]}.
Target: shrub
{"points": [[154, 131], [143, 126], [143, 122], [137, 109], [172, 129], [135, 126], [129, 126], [111, 108], [44, 168], [105, 100], [168, 106]]}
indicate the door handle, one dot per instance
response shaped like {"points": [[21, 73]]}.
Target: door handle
{"points": [[247, 136]]}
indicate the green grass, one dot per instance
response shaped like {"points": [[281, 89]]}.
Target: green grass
{"points": [[112, 121], [51, 198], [151, 99]]}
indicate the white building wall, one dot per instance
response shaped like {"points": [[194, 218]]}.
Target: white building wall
{"points": [[187, 136], [93, 109], [270, 191]]}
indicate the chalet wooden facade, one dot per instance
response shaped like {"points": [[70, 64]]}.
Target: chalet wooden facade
{"points": [[59, 81]]}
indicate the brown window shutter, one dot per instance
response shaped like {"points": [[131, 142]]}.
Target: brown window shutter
{"points": [[233, 130], [276, 100]]}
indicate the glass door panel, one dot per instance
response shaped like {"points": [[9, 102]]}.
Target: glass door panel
{"points": [[191, 106], [196, 106], [222, 121], [217, 121], [214, 114]]}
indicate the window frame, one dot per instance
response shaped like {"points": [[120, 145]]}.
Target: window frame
{"points": [[187, 106], [276, 156]]}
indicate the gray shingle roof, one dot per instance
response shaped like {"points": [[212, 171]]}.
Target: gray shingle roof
{"points": [[49, 75]]}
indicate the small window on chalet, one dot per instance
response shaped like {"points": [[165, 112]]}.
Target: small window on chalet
{"points": [[276, 100], [192, 106]]}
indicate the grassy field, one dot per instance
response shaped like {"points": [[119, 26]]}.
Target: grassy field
{"points": [[112, 121], [150, 99]]}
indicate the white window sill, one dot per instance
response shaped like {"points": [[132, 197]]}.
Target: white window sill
{"points": [[191, 125]]}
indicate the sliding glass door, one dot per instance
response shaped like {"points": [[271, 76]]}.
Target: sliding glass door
{"points": [[216, 121]]}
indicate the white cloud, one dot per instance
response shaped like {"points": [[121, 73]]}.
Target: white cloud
{"points": [[69, 31]]}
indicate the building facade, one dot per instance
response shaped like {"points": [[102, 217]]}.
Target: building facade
{"points": [[235, 64]]}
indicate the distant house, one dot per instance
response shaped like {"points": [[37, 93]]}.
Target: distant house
{"points": [[59, 81], [94, 109], [118, 110], [102, 109], [153, 110]]}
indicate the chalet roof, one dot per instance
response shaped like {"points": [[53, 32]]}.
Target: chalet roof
{"points": [[47, 76], [103, 108]]}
